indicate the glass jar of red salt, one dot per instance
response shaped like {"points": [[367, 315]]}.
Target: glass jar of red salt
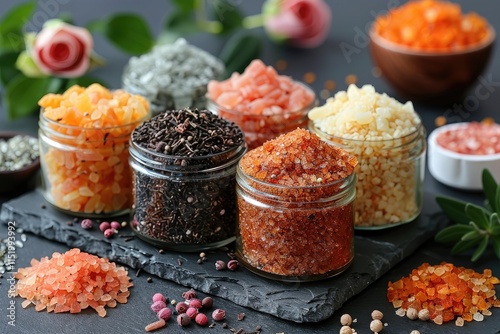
{"points": [[262, 103], [296, 208], [84, 135]]}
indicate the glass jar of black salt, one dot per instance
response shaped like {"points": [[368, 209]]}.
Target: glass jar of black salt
{"points": [[184, 165]]}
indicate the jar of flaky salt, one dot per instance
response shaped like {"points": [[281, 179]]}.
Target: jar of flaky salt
{"points": [[388, 139], [295, 208]]}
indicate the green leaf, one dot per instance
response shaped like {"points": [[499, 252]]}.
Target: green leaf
{"points": [[496, 246], [474, 234], [185, 5], [491, 190], [480, 249], [239, 51], [494, 225], [22, 94], [478, 215], [12, 41], [454, 209], [85, 81], [98, 25], [452, 233], [15, 18], [228, 15], [129, 32], [8, 70], [463, 245], [182, 23]]}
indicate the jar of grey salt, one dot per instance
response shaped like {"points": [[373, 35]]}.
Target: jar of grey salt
{"points": [[172, 76]]}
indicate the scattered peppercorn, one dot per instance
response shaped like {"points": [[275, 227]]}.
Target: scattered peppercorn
{"points": [[202, 255], [124, 224], [345, 330], [165, 313], [183, 319], [199, 261], [115, 225], [109, 233], [87, 224], [212, 325], [181, 307], [159, 297], [224, 325], [376, 314], [201, 319], [207, 302], [194, 302], [241, 316], [219, 315], [161, 251], [414, 332], [155, 325], [158, 305], [149, 280], [104, 226], [233, 265], [192, 312], [190, 294], [376, 326], [345, 320], [220, 265]]}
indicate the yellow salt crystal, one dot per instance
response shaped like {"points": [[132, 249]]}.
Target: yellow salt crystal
{"points": [[85, 191]]}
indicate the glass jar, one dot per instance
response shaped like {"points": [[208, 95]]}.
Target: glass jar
{"points": [[295, 234], [184, 203], [390, 177], [85, 170], [259, 128]]}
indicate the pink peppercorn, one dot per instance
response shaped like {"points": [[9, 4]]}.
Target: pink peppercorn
{"points": [[157, 306], [233, 265], [104, 226], [109, 233], [201, 319], [207, 302], [219, 315], [183, 319], [190, 294], [115, 225], [220, 265], [87, 224], [196, 303], [165, 313], [192, 312], [181, 307], [159, 297]]}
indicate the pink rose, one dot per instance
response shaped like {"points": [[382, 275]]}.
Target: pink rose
{"points": [[303, 23], [63, 50]]}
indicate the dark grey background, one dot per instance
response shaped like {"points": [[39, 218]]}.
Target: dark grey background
{"points": [[328, 62]]}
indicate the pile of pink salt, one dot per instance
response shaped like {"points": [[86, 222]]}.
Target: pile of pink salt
{"points": [[261, 102], [472, 138], [71, 282]]}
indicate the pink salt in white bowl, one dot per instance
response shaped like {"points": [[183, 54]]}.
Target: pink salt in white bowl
{"points": [[450, 165]]}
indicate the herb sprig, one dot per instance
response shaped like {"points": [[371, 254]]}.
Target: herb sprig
{"points": [[474, 226]]}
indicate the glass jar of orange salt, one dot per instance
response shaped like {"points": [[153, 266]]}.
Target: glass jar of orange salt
{"points": [[296, 208], [262, 103], [84, 135]]}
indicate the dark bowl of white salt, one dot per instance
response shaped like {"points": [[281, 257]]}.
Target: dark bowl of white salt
{"points": [[19, 162]]}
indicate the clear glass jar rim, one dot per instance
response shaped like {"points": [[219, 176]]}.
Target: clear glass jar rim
{"points": [[313, 103], [419, 129]]}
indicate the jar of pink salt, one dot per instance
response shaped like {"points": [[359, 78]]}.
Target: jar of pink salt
{"points": [[263, 103], [295, 199]]}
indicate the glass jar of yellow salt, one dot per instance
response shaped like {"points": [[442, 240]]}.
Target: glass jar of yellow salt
{"points": [[84, 135]]}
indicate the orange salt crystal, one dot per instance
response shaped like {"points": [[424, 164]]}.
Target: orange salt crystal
{"points": [[54, 285], [84, 134], [448, 292], [432, 25]]}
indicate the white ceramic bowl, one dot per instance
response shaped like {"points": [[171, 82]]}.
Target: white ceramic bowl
{"points": [[459, 170]]}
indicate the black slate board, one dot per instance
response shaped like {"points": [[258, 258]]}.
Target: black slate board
{"points": [[375, 253]]}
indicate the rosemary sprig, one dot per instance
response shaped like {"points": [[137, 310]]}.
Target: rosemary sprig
{"points": [[474, 226]]}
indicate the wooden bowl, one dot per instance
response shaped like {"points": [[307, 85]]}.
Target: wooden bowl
{"points": [[17, 181], [432, 77]]}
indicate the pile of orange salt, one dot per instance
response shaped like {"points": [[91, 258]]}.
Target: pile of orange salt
{"points": [[72, 282], [84, 140], [432, 25], [446, 291]]}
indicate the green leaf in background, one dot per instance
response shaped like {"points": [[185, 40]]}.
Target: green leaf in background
{"points": [[182, 23], [129, 32], [14, 19], [454, 209], [85, 81], [480, 249], [496, 246], [478, 215], [185, 5], [8, 70], [12, 41], [22, 94], [463, 245], [239, 51], [491, 190], [228, 15], [452, 233]]}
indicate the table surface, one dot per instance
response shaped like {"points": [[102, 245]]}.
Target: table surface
{"points": [[328, 62]]}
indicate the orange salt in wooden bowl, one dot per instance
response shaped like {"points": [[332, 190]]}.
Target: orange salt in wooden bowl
{"points": [[434, 77]]}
